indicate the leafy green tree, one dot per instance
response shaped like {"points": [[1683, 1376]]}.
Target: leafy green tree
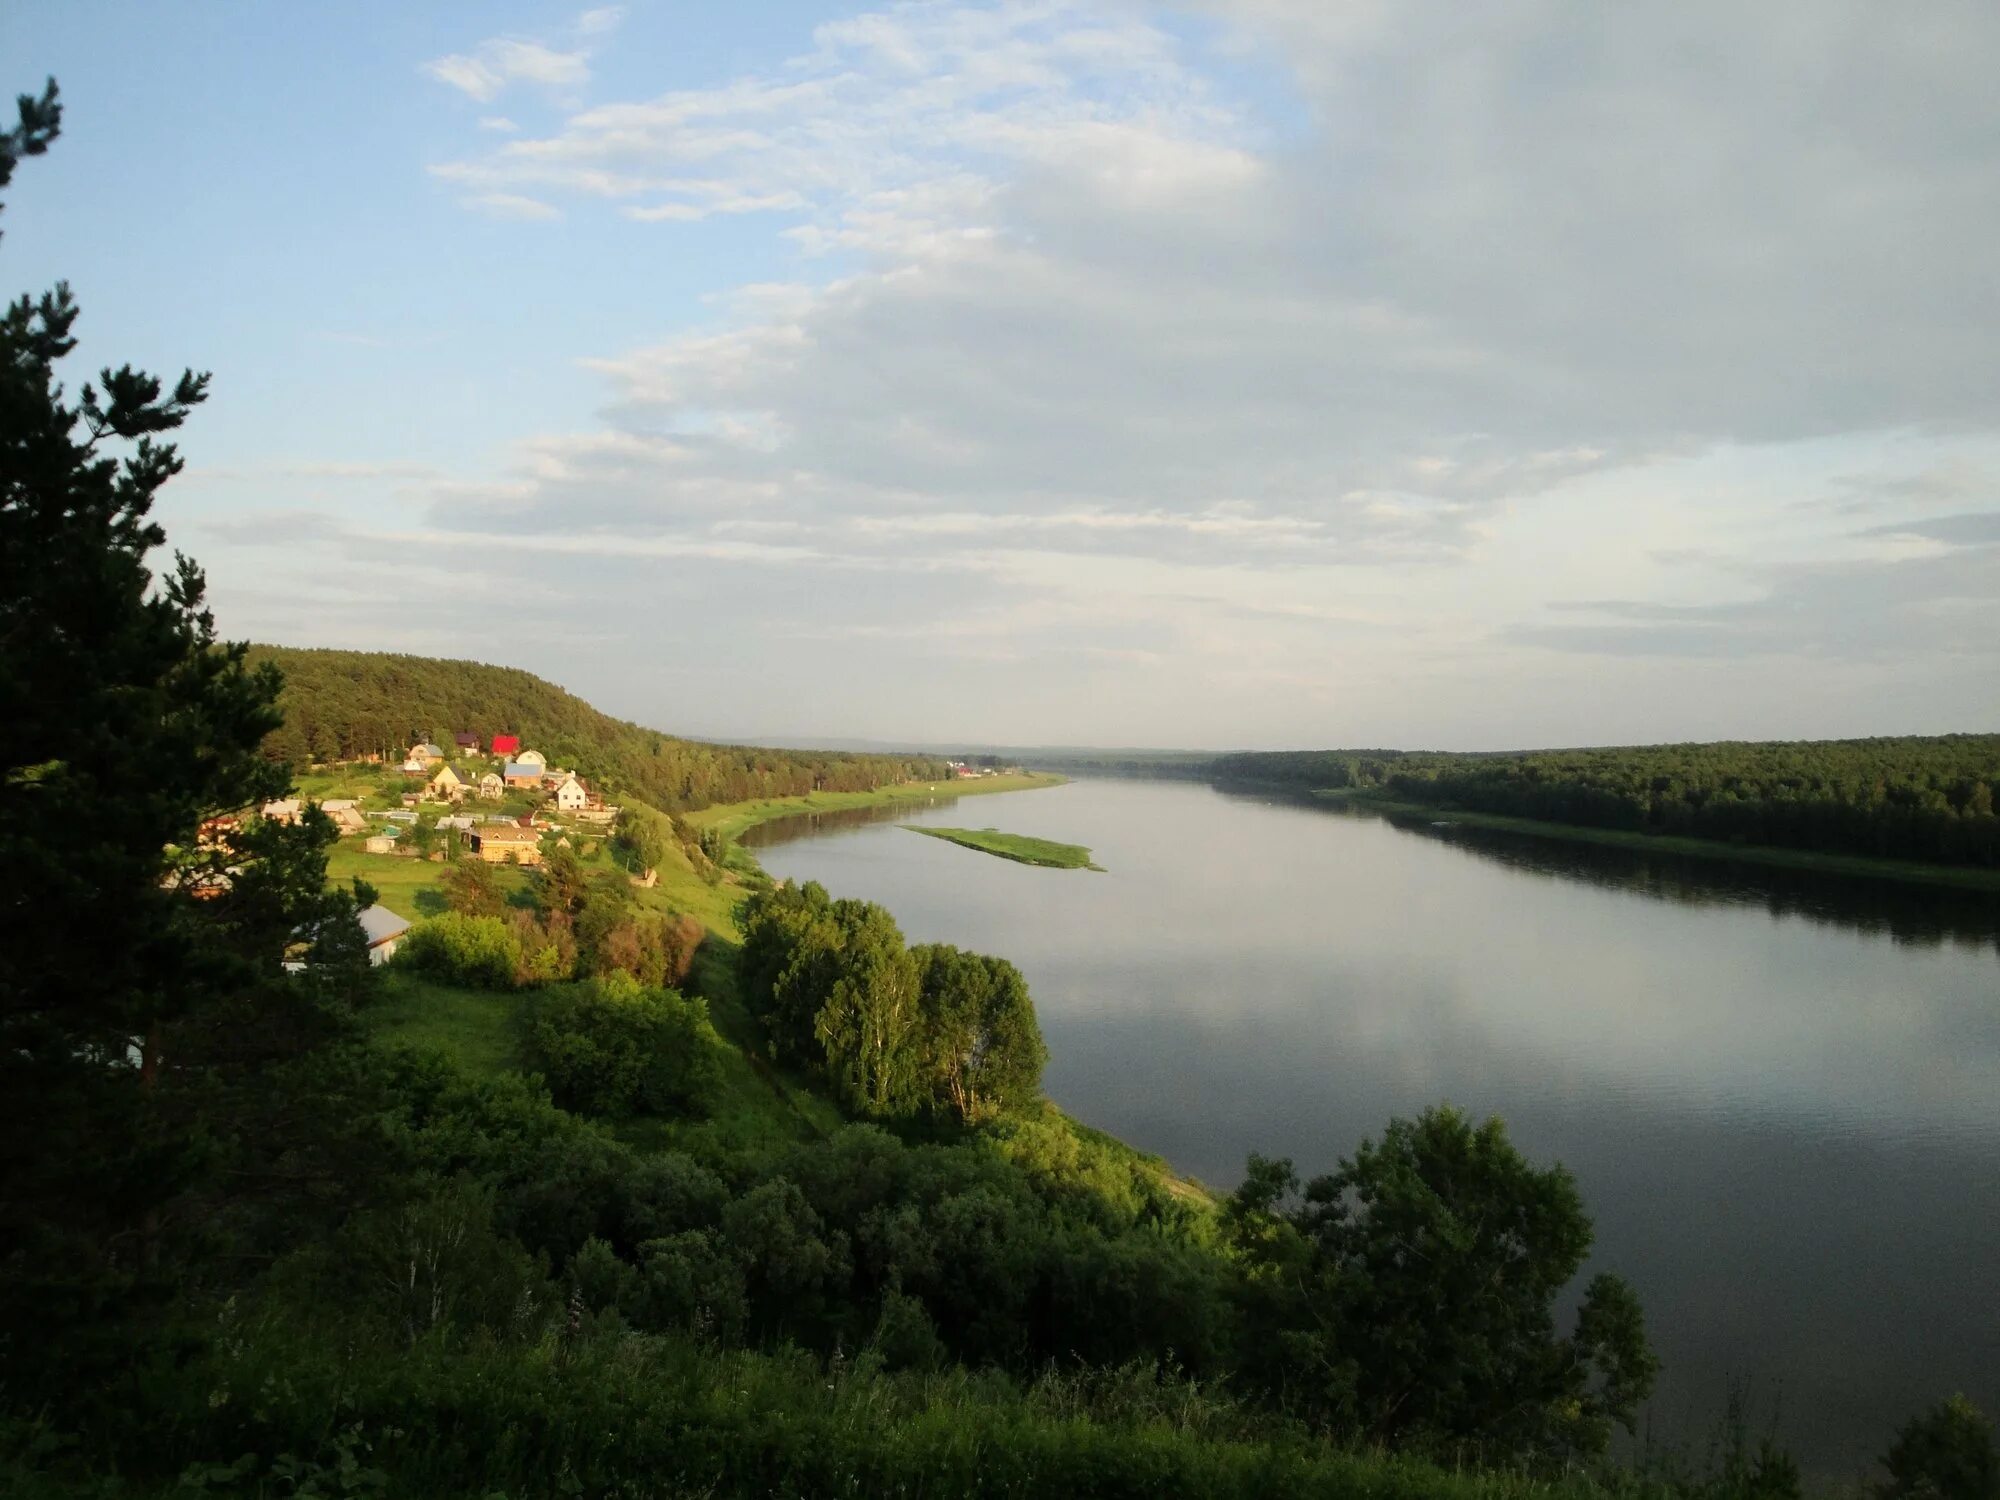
{"points": [[155, 1063], [982, 1049], [1947, 1453], [645, 835], [869, 1026], [1415, 1288]]}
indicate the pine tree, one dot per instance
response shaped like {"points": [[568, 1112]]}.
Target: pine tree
{"points": [[148, 1031]]}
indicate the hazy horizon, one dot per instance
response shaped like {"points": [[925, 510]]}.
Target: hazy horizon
{"points": [[1248, 375]]}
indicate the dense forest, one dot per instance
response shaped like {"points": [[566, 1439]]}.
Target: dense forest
{"points": [[346, 704], [1928, 799]]}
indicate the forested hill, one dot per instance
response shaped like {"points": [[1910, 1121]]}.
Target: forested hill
{"points": [[1930, 799], [344, 704]]}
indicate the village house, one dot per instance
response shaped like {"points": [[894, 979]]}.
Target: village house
{"points": [[348, 819], [290, 810], [448, 785], [411, 766], [467, 743], [381, 843], [385, 932], [505, 745], [426, 754], [497, 843], [533, 758], [463, 822], [491, 787], [522, 774], [571, 797]]}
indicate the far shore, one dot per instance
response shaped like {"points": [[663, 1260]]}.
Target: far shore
{"points": [[1964, 877]]}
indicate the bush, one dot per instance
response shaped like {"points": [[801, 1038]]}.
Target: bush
{"points": [[482, 952], [614, 1048]]}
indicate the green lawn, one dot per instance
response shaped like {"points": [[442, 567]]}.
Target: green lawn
{"points": [[476, 1029], [1660, 843], [1015, 846]]}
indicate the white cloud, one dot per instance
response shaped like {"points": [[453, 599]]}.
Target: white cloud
{"points": [[1463, 379], [596, 22], [486, 72], [498, 123], [512, 206]]}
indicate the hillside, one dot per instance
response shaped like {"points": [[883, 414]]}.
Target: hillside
{"points": [[342, 705]]}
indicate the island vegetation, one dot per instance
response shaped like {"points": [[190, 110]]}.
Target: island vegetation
{"points": [[581, 1195], [1018, 847]]}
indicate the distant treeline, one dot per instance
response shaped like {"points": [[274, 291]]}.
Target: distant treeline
{"points": [[1929, 799], [341, 705]]}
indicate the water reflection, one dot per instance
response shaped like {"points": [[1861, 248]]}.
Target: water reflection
{"points": [[1779, 1092], [1919, 915]]}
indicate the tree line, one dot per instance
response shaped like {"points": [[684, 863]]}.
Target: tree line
{"points": [[1930, 799], [342, 705]]}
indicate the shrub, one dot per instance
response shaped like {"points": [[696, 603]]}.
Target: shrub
{"points": [[482, 952], [614, 1048]]}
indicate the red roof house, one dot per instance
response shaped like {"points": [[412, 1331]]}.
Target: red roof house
{"points": [[506, 744]]}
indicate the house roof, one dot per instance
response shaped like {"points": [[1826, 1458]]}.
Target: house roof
{"points": [[523, 768], [535, 756], [338, 804], [489, 776], [506, 744], [508, 833], [381, 924], [426, 749], [466, 740], [444, 771], [280, 809]]}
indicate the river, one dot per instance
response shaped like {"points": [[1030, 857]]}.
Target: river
{"points": [[1780, 1095]]}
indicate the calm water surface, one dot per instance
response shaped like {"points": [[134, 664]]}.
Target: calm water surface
{"points": [[1780, 1095]]}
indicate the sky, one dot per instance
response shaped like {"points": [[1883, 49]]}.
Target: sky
{"points": [[1247, 374]]}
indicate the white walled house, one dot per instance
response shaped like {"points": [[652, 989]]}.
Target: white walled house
{"points": [[571, 797]]}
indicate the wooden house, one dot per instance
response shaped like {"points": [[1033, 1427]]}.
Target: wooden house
{"points": [[467, 743], [499, 843], [448, 785], [571, 797], [491, 787]]}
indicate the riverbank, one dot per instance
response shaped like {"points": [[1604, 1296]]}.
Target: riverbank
{"points": [[1662, 843], [729, 820]]}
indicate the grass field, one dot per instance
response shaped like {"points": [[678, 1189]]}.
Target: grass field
{"points": [[1659, 843], [1015, 846]]}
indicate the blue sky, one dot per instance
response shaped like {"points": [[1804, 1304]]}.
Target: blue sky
{"points": [[1263, 373]]}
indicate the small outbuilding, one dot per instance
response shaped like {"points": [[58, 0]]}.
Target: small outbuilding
{"points": [[385, 932]]}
